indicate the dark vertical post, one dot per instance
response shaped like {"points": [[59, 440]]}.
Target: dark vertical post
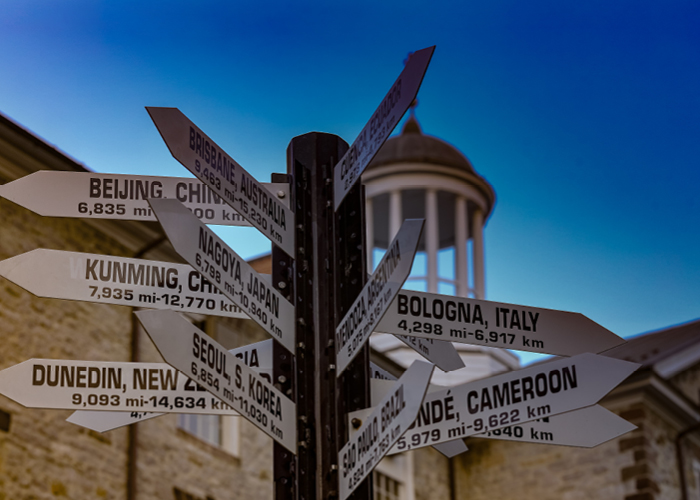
{"points": [[350, 278], [327, 276], [283, 365]]}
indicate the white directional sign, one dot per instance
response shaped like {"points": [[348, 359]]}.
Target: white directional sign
{"points": [[188, 349], [88, 195], [494, 324], [117, 280], [258, 356], [210, 164], [441, 354], [226, 270], [383, 427], [587, 427], [372, 302], [107, 386], [376, 131], [381, 384], [512, 398], [104, 421]]}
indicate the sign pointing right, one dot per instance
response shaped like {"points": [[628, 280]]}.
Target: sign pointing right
{"points": [[348, 170], [494, 324], [587, 427], [375, 297], [512, 398]]}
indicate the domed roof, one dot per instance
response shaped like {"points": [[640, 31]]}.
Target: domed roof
{"points": [[412, 146]]}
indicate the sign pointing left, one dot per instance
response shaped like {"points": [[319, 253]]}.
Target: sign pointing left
{"points": [[89, 195], [202, 359], [258, 356], [211, 165], [105, 386], [226, 270]]}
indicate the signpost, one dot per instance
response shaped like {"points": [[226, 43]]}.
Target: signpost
{"points": [[319, 273], [117, 280], [358, 323], [226, 270], [210, 164], [586, 428], [513, 398], [383, 427], [494, 324], [89, 195], [348, 170], [205, 361]]}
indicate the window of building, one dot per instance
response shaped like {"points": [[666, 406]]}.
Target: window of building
{"points": [[696, 476], [393, 478], [386, 488]]}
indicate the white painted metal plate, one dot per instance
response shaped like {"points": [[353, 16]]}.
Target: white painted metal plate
{"points": [[512, 398], [89, 195], [383, 427], [188, 349], [441, 354], [258, 356], [210, 164], [375, 297], [105, 421], [494, 324], [122, 281], [586, 428], [227, 271], [106, 386], [402, 93]]}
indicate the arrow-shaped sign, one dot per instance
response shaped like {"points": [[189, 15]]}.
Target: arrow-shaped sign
{"points": [[494, 324], [586, 428], [381, 384], [88, 195], [210, 164], [106, 386], [512, 398], [122, 281], [383, 427], [376, 131], [226, 270], [188, 349], [257, 356], [373, 300], [441, 354]]}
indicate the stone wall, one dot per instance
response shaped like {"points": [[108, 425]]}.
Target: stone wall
{"points": [[42, 456]]}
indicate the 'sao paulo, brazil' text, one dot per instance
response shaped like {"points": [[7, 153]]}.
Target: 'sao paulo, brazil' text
{"points": [[367, 448]]}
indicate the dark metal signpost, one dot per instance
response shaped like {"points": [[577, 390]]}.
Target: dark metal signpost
{"points": [[319, 305]]}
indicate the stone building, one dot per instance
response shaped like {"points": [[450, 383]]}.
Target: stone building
{"points": [[216, 458]]}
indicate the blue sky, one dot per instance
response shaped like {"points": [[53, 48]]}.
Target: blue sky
{"points": [[584, 116]]}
